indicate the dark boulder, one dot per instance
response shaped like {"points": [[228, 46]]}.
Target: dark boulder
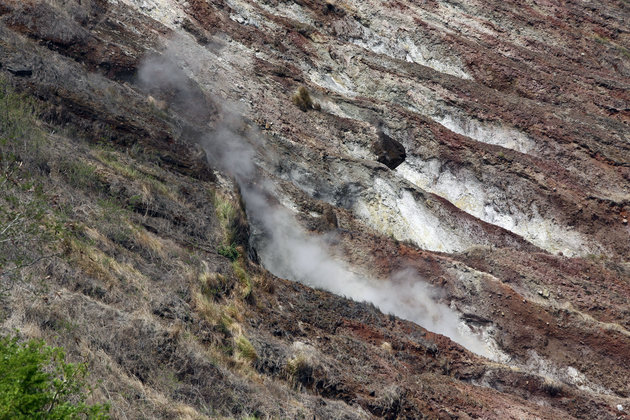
{"points": [[388, 151]]}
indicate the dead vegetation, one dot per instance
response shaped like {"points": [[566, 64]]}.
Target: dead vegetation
{"points": [[130, 285], [302, 99], [551, 386], [134, 282]]}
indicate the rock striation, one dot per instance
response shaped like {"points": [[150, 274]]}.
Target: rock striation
{"points": [[499, 173]]}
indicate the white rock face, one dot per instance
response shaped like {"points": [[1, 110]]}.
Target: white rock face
{"points": [[338, 83], [398, 214], [487, 133], [399, 36], [412, 51], [167, 12], [492, 205], [568, 375], [424, 55], [429, 104]]}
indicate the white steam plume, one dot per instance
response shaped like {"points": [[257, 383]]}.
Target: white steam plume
{"points": [[286, 249], [289, 252]]}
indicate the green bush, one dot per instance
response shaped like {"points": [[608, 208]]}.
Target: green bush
{"points": [[37, 383], [229, 251]]}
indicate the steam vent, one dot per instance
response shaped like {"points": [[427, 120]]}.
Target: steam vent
{"points": [[314, 209]]}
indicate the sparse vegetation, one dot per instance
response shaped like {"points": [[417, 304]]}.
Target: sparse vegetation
{"points": [[79, 174], [603, 40], [25, 225], [551, 387], [246, 349], [229, 251], [227, 214], [20, 134], [119, 226], [300, 370], [214, 284], [302, 99]]}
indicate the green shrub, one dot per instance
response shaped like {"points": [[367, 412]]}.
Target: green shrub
{"points": [[229, 251], [37, 383]]}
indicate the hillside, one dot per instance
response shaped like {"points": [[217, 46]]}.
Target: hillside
{"points": [[309, 209]]}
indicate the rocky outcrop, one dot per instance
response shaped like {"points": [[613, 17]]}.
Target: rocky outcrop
{"points": [[388, 151], [501, 179]]}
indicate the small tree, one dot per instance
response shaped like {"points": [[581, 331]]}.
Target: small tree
{"points": [[37, 383]]}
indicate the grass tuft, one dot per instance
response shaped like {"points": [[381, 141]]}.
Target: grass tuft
{"points": [[302, 99], [245, 349]]}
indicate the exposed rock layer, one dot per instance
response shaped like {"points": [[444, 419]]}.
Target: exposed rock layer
{"points": [[509, 191]]}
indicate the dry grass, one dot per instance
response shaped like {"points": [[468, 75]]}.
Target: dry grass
{"points": [[186, 412], [225, 210], [99, 265], [162, 322], [302, 99], [208, 309], [157, 247], [143, 178], [551, 386], [94, 255], [245, 349]]}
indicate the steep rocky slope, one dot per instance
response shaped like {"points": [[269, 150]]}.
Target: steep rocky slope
{"points": [[173, 164]]}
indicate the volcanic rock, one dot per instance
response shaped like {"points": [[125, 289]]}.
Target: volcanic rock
{"points": [[509, 204], [388, 151]]}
